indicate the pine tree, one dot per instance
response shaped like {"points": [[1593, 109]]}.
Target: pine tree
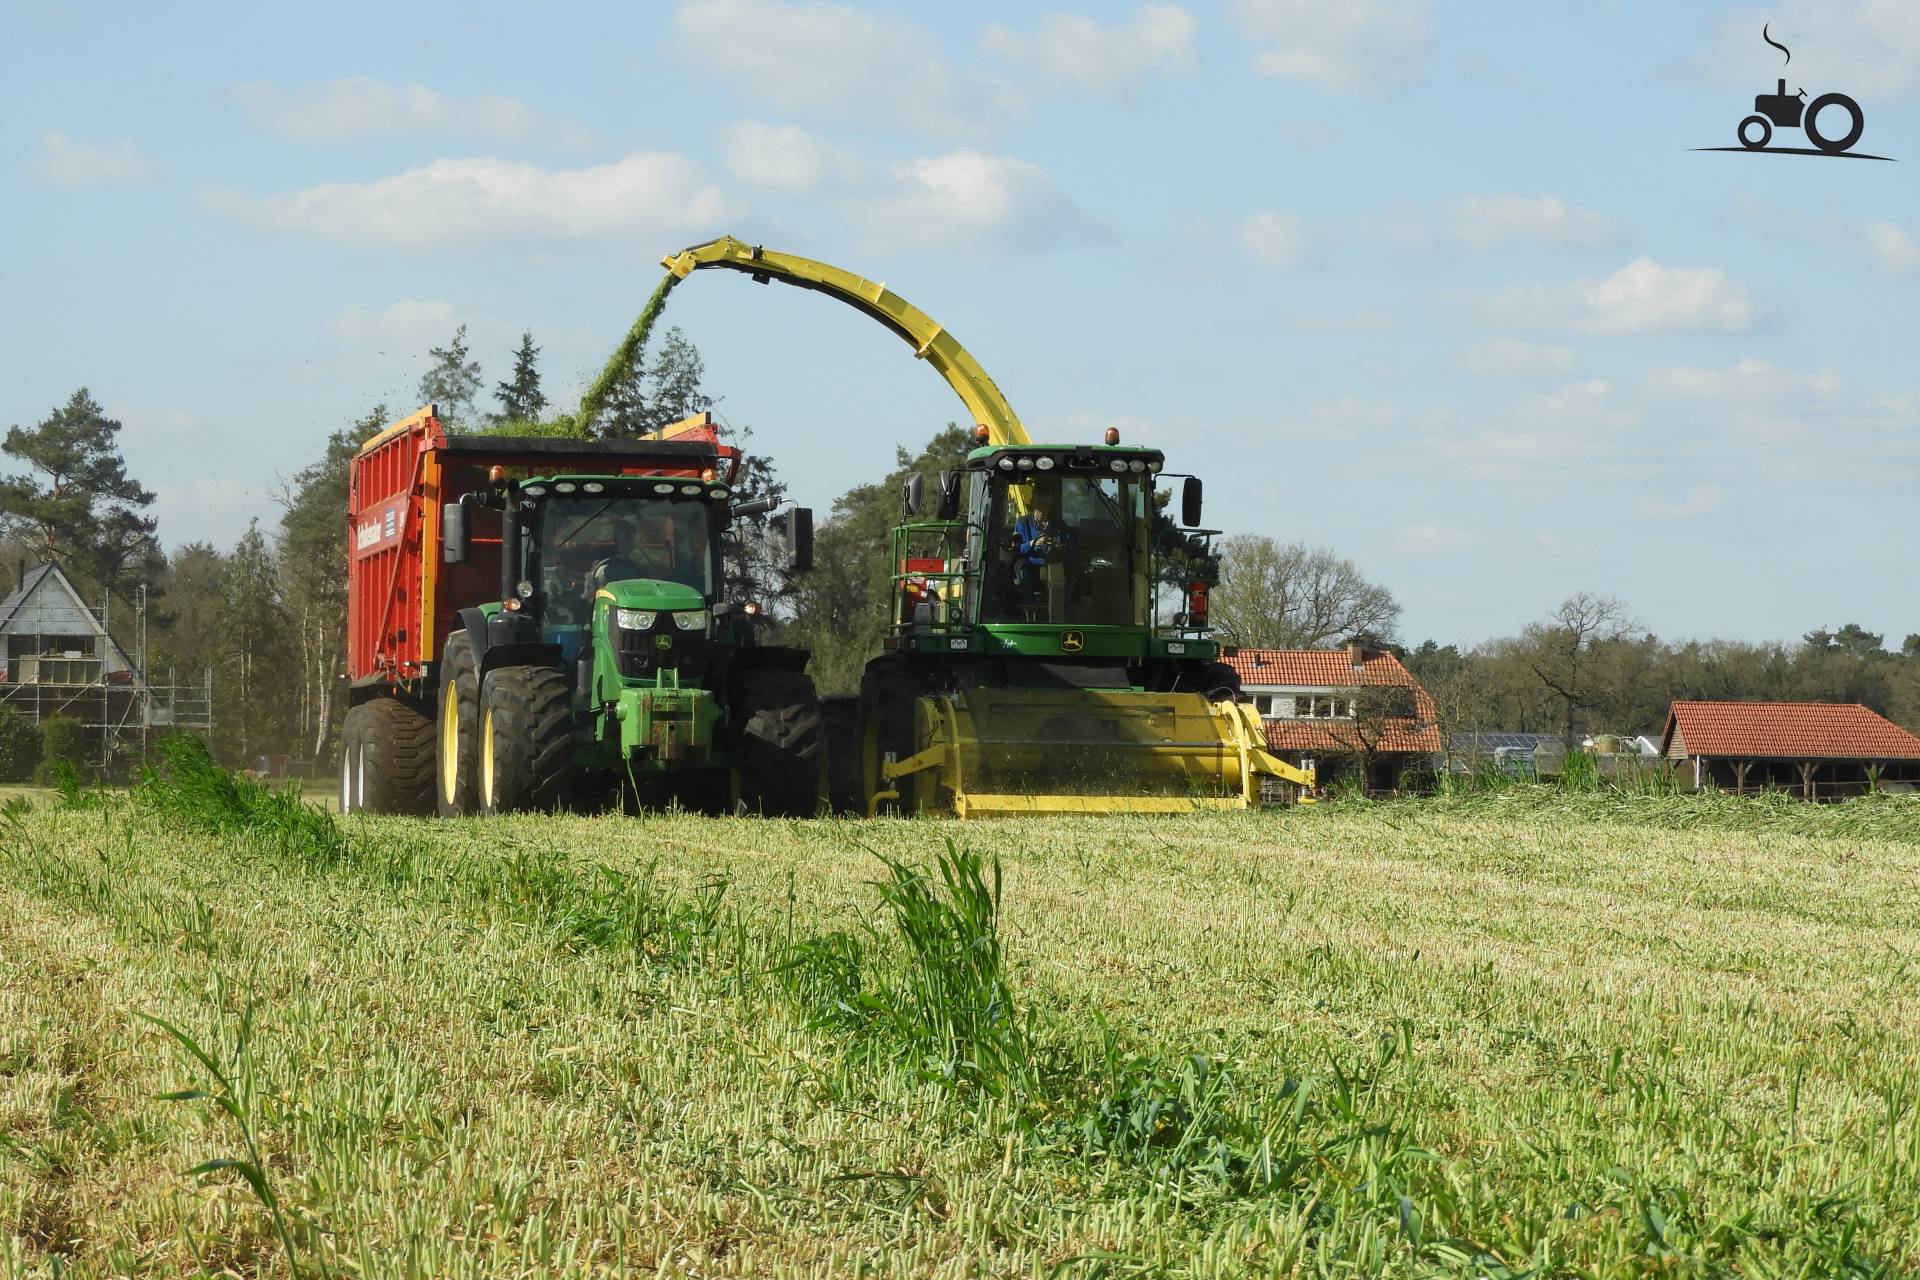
{"points": [[453, 381], [658, 392], [521, 400], [77, 505], [253, 698]]}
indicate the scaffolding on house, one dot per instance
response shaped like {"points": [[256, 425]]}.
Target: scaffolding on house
{"points": [[61, 659]]}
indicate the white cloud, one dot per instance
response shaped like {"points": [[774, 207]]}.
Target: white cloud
{"points": [[1355, 46], [1698, 500], [1587, 405], [1893, 246], [782, 157], [1747, 379], [1271, 239], [408, 325], [68, 162], [1434, 540], [363, 107], [450, 201], [1641, 297], [1486, 222], [969, 199], [819, 59], [1510, 357], [1068, 51]]}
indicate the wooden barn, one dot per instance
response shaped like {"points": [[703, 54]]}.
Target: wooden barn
{"points": [[1816, 750]]}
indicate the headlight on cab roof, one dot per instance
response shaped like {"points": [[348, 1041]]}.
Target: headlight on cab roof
{"points": [[635, 619], [691, 620]]}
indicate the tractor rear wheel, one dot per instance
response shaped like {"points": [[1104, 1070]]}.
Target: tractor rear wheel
{"points": [[888, 691], [783, 751], [525, 740], [458, 728], [395, 758]]}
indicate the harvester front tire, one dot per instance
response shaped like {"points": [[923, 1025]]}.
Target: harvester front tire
{"points": [[783, 749], [457, 729], [888, 692], [525, 740], [394, 758], [1212, 679]]}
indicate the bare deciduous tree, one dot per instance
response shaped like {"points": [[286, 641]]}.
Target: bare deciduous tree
{"points": [[1292, 596], [1564, 652]]}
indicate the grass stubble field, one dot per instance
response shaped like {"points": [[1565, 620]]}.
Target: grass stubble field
{"points": [[1517, 1034]]}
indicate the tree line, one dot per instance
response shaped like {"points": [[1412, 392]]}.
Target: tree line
{"points": [[265, 618]]}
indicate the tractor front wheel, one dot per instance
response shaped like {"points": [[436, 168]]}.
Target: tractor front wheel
{"points": [[1759, 141], [784, 743], [458, 728], [525, 740]]}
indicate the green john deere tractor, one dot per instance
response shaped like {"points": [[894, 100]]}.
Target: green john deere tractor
{"points": [[611, 665]]}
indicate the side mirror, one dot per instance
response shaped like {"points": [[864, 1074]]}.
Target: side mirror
{"points": [[799, 532], [948, 507], [912, 494], [1190, 502], [456, 541]]}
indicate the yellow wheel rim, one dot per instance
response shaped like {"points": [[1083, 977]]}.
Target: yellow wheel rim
{"points": [[450, 744], [486, 759]]}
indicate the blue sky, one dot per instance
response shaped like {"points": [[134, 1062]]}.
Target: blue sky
{"points": [[1441, 286]]}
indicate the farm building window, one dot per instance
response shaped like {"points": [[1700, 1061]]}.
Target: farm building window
{"points": [[1308, 706]]}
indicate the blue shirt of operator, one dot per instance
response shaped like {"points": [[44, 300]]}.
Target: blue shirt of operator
{"points": [[1028, 531]]}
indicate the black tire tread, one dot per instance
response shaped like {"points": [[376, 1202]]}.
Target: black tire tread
{"points": [[457, 665], [398, 743], [532, 737], [783, 742]]}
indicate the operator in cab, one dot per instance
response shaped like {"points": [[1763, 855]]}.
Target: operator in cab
{"points": [[1037, 537], [642, 549]]}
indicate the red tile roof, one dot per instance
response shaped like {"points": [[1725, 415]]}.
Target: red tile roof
{"points": [[1333, 669], [1785, 730]]}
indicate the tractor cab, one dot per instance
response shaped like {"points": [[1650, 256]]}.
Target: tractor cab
{"points": [[603, 559]]}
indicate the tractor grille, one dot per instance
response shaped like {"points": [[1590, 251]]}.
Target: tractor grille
{"points": [[639, 655]]}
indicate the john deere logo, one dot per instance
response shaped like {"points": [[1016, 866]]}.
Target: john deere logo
{"points": [[663, 642], [1072, 641]]}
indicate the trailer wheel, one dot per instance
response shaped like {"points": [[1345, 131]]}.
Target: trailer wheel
{"points": [[456, 729], [394, 760], [525, 740], [351, 789], [783, 743], [888, 691]]}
